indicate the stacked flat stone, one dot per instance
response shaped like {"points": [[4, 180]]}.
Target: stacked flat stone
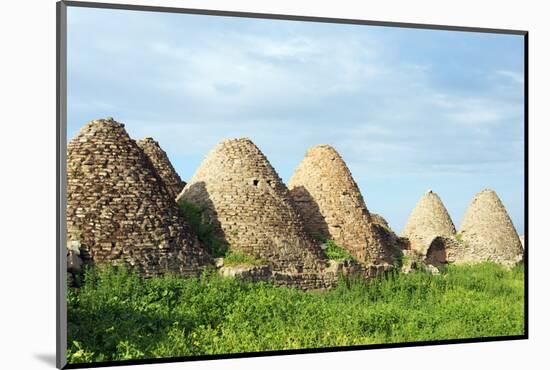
{"points": [[380, 220], [162, 165], [332, 206], [428, 220], [488, 232], [443, 250], [251, 208], [118, 209]]}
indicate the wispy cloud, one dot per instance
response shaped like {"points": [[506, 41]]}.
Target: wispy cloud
{"points": [[514, 76], [396, 103]]}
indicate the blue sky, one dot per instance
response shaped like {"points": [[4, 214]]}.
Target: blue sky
{"points": [[408, 110]]}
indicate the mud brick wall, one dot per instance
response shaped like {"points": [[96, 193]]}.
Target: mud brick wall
{"points": [[428, 220], [251, 207], [378, 219], [118, 208], [332, 206], [444, 250], [488, 232], [326, 279], [162, 165]]}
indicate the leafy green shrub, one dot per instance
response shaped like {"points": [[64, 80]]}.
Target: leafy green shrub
{"points": [[332, 250], [400, 261], [77, 354], [233, 258], [118, 315], [203, 227], [337, 253]]}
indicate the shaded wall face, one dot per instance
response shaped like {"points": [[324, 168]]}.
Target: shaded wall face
{"points": [[314, 222], [252, 208], [437, 253], [162, 166], [119, 211]]}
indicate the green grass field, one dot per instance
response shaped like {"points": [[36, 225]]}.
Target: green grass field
{"points": [[116, 315]]}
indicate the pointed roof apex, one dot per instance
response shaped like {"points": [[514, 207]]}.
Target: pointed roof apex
{"points": [[235, 139], [103, 122], [486, 195], [148, 141], [323, 150], [487, 191], [319, 147], [324, 146]]}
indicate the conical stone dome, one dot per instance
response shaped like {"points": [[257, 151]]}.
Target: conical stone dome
{"points": [[162, 165], [332, 206], [429, 219], [251, 207], [119, 211], [488, 231]]}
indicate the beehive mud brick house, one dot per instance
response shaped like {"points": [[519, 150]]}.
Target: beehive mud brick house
{"points": [[332, 206], [488, 232], [251, 208], [429, 219], [118, 208]]}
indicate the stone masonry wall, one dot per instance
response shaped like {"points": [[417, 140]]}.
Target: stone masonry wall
{"points": [[488, 232], [328, 278], [332, 206], [378, 219], [251, 208], [443, 250], [428, 220], [119, 211], [162, 165]]}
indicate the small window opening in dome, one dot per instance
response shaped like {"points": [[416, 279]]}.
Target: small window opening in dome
{"points": [[255, 182]]}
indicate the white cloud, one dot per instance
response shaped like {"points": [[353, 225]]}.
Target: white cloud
{"points": [[287, 88], [244, 71], [241, 84], [298, 48], [88, 105], [514, 76], [243, 77]]}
